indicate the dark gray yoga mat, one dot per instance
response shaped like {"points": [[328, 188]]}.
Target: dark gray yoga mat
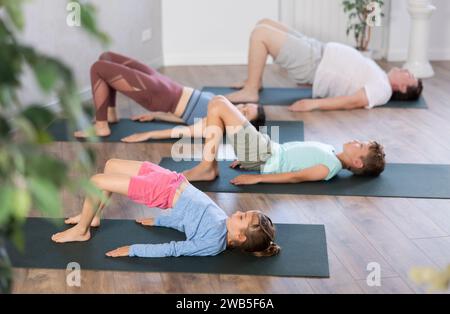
{"points": [[275, 96], [303, 254], [398, 180], [288, 130]]}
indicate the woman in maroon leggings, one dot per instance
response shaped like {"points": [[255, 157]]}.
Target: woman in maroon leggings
{"points": [[164, 98]]}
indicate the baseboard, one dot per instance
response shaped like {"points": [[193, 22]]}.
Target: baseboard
{"points": [[205, 59], [156, 63], [85, 95], [434, 55]]}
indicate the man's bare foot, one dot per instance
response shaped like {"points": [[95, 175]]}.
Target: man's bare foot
{"points": [[74, 234], [76, 219], [101, 129], [245, 95], [202, 173]]}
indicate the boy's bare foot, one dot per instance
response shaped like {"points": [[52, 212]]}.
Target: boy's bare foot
{"points": [[241, 85], [76, 219], [74, 234], [202, 173], [101, 130], [245, 95]]}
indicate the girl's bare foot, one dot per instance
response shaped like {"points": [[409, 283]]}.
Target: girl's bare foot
{"points": [[101, 130], [74, 234], [245, 95], [76, 219], [146, 221], [202, 173]]}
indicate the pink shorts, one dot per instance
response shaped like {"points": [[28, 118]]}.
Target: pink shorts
{"points": [[154, 186]]}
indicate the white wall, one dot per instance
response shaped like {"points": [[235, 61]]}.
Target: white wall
{"points": [[326, 21], [47, 30], [439, 45], [211, 31]]}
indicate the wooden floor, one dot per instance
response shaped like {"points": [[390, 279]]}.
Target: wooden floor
{"points": [[396, 233]]}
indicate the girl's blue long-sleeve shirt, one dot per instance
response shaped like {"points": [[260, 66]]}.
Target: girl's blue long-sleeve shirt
{"points": [[203, 222]]}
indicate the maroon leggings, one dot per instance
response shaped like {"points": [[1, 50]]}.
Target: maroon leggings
{"points": [[115, 73]]}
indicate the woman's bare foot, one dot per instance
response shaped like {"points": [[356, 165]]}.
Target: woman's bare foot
{"points": [[202, 173], [101, 129], [74, 234], [76, 219], [245, 95], [112, 115]]}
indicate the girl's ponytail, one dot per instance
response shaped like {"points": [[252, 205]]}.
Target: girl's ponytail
{"points": [[260, 236], [272, 250]]}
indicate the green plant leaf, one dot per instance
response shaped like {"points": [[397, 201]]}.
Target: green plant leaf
{"points": [[6, 202], [46, 74], [46, 167], [89, 23], [25, 127], [5, 128], [18, 238], [39, 116], [45, 196], [14, 10], [22, 203], [22, 155]]}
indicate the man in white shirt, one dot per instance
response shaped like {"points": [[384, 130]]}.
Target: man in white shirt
{"points": [[341, 76]]}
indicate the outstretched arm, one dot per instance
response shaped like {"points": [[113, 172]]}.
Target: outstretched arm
{"points": [[157, 115], [355, 101], [193, 131], [174, 248], [316, 173]]}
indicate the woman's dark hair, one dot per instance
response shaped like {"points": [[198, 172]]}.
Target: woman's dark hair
{"points": [[260, 118], [260, 236], [412, 93]]}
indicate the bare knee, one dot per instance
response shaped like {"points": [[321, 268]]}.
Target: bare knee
{"points": [[265, 21], [98, 67], [95, 68], [260, 33], [217, 104], [98, 180], [112, 165], [105, 56]]}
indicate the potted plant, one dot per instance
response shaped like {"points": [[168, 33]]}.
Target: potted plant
{"points": [[30, 177], [359, 13]]}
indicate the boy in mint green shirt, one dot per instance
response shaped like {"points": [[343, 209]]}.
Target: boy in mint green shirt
{"points": [[296, 156], [292, 162]]}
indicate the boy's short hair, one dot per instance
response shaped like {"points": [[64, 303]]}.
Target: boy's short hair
{"points": [[260, 118], [374, 162], [412, 93]]}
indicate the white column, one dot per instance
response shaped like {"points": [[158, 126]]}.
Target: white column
{"points": [[418, 63]]}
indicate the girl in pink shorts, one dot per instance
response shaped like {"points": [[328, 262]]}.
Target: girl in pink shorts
{"points": [[209, 230]]}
